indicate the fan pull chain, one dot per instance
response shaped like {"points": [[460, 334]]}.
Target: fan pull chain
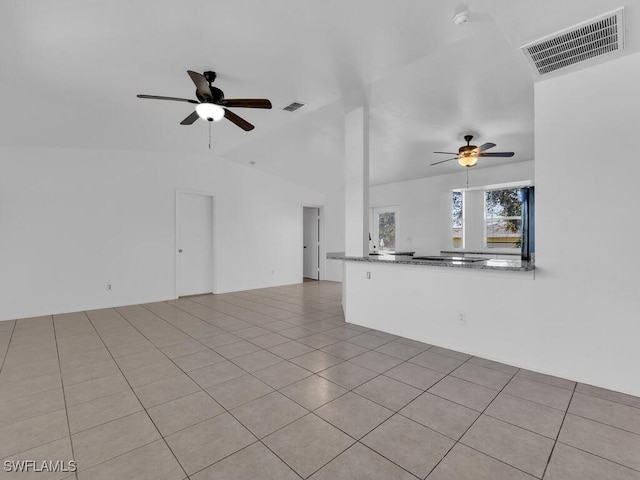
{"points": [[209, 135], [467, 176]]}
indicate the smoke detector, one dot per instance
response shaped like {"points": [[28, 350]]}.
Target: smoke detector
{"points": [[461, 15]]}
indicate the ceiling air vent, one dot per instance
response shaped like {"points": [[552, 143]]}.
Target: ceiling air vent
{"points": [[292, 107], [596, 37]]}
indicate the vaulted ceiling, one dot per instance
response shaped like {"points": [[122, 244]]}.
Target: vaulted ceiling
{"points": [[71, 70]]}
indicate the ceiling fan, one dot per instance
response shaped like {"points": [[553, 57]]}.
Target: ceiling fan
{"points": [[468, 154], [211, 104]]}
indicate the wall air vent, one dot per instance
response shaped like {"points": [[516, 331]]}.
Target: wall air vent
{"points": [[292, 107], [599, 36]]}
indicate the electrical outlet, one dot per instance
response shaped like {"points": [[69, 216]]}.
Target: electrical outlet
{"points": [[462, 318], [109, 287], [369, 275]]}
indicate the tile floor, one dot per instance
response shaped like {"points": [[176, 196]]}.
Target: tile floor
{"points": [[273, 384]]}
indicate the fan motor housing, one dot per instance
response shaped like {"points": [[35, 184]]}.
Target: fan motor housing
{"points": [[218, 96]]}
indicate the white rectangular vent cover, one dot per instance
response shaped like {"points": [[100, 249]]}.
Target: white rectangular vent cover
{"points": [[292, 107], [599, 36]]}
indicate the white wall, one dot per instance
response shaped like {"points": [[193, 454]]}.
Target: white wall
{"points": [[579, 317], [425, 204], [72, 221]]}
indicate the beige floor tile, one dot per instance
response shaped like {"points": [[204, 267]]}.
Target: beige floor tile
{"points": [[269, 340], [486, 377], [181, 349], [568, 463], [307, 444], [207, 442], [281, 374], [316, 361], [353, 414], [368, 340], [344, 350], [257, 360], [548, 379], [107, 441], [236, 392], [539, 392], [198, 360], [152, 373], [515, 446], [348, 375], [22, 388], [255, 461], [290, 349], [139, 360], [163, 391], [78, 360], [464, 393], [441, 415], [400, 350], [237, 349], [267, 414], [464, 463], [33, 432], [526, 414], [184, 412], [361, 463], [394, 438], [609, 395], [216, 374], [376, 361], [30, 406], [313, 392], [602, 440], [501, 367], [89, 372], [58, 450], [150, 462], [437, 362], [388, 392], [414, 375], [92, 389], [605, 411], [102, 410]]}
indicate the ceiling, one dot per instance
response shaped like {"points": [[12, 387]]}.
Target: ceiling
{"points": [[71, 70]]}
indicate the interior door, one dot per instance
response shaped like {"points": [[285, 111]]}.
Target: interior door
{"points": [[195, 244], [311, 242]]}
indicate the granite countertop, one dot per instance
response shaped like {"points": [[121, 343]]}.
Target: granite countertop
{"points": [[481, 264]]}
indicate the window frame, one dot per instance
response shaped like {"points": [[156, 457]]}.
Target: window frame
{"points": [[484, 224], [374, 223]]}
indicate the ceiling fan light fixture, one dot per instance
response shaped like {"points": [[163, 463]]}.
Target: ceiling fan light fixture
{"points": [[468, 160], [210, 112]]}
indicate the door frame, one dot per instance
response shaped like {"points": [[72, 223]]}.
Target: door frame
{"points": [[214, 276], [321, 249]]}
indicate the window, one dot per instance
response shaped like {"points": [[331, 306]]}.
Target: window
{"points": [[457, 219], [385, 221], [503, 218]]}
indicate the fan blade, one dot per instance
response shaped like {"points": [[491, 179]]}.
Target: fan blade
{"points": [[190, 119], [174, 99], [247, 102], [486, 146], [201, 84], [239, 121], [496, 154], [442, 161], [448, 153]]}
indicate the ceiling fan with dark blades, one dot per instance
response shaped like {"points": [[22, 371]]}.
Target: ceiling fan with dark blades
{"points": [[468, 154], [211, 104]]}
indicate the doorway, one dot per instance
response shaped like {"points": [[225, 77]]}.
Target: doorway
{"points": [[310, 243], [194, 243]]}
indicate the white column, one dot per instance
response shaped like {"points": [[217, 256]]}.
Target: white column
{"points": [[356, 150]]}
